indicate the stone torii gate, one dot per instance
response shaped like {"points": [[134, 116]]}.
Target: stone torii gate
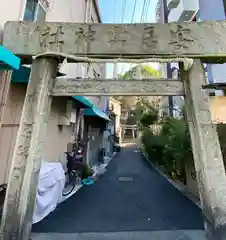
{"points": [[203, 42], [125, 127]]}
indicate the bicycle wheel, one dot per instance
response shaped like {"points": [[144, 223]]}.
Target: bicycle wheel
{"points": [[69, 183]]}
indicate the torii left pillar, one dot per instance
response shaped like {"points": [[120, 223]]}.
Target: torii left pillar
{"points": [[21, 191]]}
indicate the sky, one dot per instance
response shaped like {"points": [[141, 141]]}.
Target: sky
{"points": [[107, 10], [115, 11]]}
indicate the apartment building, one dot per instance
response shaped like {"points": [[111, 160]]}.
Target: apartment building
{"points": [[201, 10], [194, 10], [213, 10], [61, 124]]}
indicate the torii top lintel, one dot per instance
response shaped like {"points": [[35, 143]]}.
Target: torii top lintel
{"points": [[205, 40]]}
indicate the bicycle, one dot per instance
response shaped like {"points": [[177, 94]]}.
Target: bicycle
{"points": [[75, 168]]}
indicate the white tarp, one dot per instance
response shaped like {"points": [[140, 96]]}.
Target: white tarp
{"points": [[49, 191]]}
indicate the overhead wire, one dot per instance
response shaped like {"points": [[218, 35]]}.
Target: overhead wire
{"points": [[123, 9], [122, 66], [143, 10], [132, 21], [142, 17], [134, 10], [147, 10]]}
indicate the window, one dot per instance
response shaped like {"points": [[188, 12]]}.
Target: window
{"points": [[34, 11], [30, 10]]}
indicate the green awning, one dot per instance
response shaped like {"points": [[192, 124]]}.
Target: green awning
{"points": [[22, 75], [91, 110], [96, 112], [84, 101], [8, 60]]}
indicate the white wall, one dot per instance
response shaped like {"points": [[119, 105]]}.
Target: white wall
{"points": [[175, 13], [66, 11]]}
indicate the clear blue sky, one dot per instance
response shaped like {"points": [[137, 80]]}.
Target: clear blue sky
{"points": [[107, 14], [107, 10]]}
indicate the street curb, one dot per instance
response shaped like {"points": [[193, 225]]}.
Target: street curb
{"points": [[179, 186]]}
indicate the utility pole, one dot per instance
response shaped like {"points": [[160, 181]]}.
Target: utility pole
{"points": [[168, 67]]}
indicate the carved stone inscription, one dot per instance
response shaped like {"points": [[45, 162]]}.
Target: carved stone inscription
{"points": [[110, 87], [193, 40], [82, 35], [180, 37], [50, 36], [150, 39], [118, 36]]}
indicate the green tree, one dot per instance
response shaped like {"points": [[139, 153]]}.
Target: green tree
{"points": [[130, 104], [145, 71]]}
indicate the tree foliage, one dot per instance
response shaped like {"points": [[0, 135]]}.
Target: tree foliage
{"points": [[146, 71], [129, 102], [146, 113], [171, 148]]}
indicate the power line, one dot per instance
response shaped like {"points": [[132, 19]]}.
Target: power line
{"points": [[122, 66], [147, 10], [123, 10], [134, 10], [143, 10]]}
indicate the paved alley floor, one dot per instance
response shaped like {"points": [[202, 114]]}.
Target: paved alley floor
{"points": [[130, 199]]}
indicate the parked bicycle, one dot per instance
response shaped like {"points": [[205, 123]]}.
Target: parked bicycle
{"points": [[75, 169], [117, 147]]}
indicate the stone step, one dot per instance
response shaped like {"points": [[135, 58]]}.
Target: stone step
{"points": [[155, 235]]}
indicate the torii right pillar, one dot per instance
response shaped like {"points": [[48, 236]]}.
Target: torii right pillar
{"points": [[210, 171]]}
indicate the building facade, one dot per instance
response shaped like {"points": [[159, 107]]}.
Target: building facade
{"points": [[208, 11], [201, 10], [60, 131]]}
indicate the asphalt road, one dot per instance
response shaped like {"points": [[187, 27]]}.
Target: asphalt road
{"points": [[144, 201]]}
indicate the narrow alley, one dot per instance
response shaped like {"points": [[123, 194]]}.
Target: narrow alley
{"points": [[131, 201]]}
